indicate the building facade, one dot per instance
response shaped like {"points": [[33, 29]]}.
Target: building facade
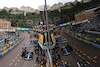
{"points": [[14, 8], [56, 6], [17, 12], [87, 14], [75, 2], [27, 9], [15, 28], [37, 11], [85, 1], [5, 24], [6, 8]]}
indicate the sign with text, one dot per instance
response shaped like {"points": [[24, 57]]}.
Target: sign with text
{"points": [[64, 24]]}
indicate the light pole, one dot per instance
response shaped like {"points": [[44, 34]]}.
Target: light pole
{"points": [[49, 54]]}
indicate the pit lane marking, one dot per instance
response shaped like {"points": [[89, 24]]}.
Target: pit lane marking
{"points": [[18, 60], [88, 62], [15, 64], [88, 57], [74, 50], [10, 64], [94, 61], [84, 55], [13, 60], [20, 57], [15, 57], [76, 53], [79, 55], [80, 51]]}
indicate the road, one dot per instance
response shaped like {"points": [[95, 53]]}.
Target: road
{"points": [[83, 50], [70, 59], [80, 50], [9, 36], [13, 58]]}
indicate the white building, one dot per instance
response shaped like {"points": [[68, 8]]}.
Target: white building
{"points": [[37, 11], [75, 2], [14, 8], [27, 9], [17, 12], [85, 1], [6, 8], [56, 6], [68, 3]]}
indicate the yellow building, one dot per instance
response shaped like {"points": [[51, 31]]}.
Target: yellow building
{"points": [[4, 24]]}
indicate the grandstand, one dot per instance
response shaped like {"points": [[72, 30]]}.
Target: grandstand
{"points": [[90, 29]]}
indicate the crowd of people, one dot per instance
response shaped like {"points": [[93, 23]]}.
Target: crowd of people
{"points": [[90, 30], [42, 57], [93, 24]]}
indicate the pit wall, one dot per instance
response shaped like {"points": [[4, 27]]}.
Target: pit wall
{"points": [[6, 49], [84, 40]]}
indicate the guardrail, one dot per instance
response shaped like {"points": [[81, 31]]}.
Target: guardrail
{"points": [[1, 40], [11, 46], [85, 41]]}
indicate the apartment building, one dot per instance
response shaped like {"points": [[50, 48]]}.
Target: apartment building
{"points": [[27, 9], [87, 14], [85, 1], [56, 6], [5, 24]]}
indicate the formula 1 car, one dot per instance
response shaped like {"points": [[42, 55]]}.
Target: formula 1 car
{"points": [[29, 56], [65, 50]]}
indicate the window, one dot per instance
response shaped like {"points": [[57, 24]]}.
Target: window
{"points": [[5, 23]]}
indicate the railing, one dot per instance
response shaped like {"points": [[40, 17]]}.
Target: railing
{"points": [[85, 40], [10, 46]]}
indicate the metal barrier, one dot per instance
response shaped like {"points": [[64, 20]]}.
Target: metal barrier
{"points": [[10, 48], [85, 41]]}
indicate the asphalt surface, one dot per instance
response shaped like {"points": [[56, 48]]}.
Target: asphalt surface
{"points": [[13, 58], [80, 50], [83, 50], [69, 58]]}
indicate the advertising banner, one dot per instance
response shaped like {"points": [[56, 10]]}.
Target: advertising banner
{"points": [[41, 38], [64, 24], [52, 36]]}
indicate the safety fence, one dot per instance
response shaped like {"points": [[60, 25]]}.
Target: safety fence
{"points": [[8, 48], [85, 40]]}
